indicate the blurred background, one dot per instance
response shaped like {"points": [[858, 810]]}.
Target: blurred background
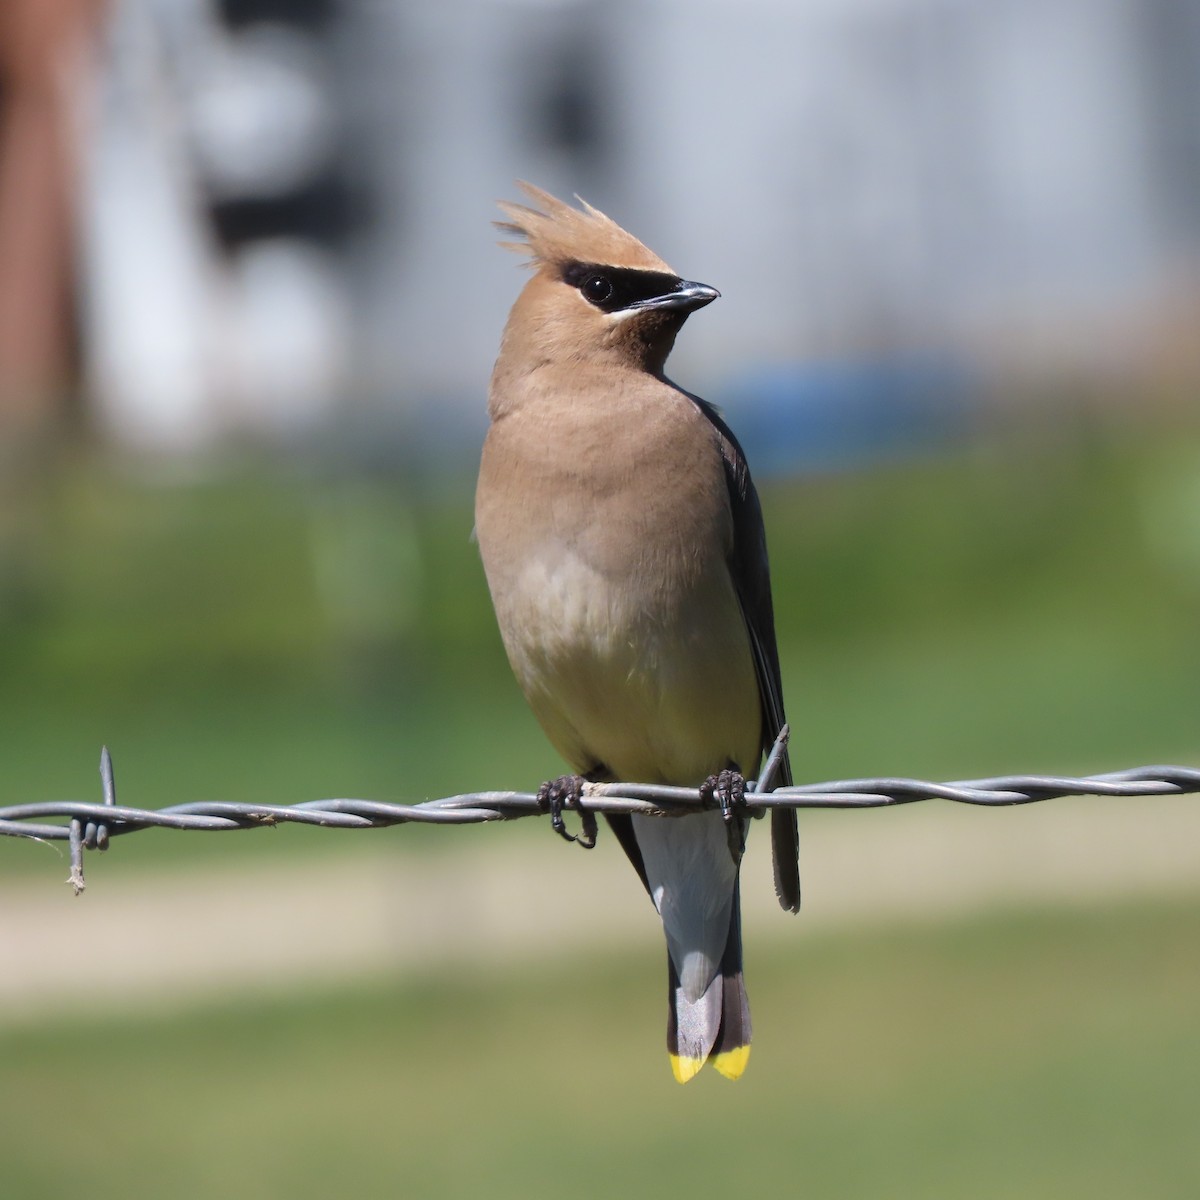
{"points": [[249, 301]]}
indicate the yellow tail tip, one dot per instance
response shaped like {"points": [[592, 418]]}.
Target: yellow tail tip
{"points": [[685, 1068], [733, 1062]]}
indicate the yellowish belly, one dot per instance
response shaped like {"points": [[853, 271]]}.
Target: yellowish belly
{"points": [[648, 687]]}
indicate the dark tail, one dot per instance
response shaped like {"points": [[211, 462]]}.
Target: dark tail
{"points": [[716, 1027]]}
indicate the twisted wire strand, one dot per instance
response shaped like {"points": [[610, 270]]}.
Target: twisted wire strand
{"points": [[91, 826]]}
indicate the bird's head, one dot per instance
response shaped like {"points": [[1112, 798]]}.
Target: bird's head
{"points": [[597, 296]]}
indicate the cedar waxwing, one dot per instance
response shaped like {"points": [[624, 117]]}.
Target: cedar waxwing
{"points": [[623, 545]]}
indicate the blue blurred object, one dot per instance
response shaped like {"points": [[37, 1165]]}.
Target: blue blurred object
{"points": [[797, 417]]}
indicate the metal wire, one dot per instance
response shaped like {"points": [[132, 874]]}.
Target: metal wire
{"points": [[91, 826]]}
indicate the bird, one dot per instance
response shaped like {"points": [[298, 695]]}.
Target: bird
{"points": [[623, 545]]}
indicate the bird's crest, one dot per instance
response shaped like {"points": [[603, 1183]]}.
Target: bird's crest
{"points": [[556, 234]]}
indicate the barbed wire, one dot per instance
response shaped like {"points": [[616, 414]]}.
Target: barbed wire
{"points": [[90, 826]]}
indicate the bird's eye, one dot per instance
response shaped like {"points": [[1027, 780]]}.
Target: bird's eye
{"points": [[597, 289]]}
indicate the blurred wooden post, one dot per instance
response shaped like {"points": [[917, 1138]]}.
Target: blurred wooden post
{"points": [[44, 47]]}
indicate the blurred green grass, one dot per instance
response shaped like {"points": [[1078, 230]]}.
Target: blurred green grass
{"points": [[1046, 1055], [273, 632]]}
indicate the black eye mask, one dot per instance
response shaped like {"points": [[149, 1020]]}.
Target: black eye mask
{"points": [[613, 289]]}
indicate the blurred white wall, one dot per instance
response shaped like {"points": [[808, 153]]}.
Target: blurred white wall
{"points": [[1013, 181]]}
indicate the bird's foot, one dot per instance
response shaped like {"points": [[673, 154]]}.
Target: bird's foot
{"points": [[564, 792], [728, 789]]}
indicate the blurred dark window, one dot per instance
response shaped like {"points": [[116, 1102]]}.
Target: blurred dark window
{"points": [[325, 206], [565, 94], [306, 14], [324, 211], [1170, 37]]}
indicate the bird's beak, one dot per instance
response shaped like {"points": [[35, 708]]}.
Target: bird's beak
{"points": [[683, 297]]}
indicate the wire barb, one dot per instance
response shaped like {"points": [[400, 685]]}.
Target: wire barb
{"points": [[91, 826], [75, 836], [771, 766]]}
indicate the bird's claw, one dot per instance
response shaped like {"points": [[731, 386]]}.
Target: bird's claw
{"points": [[565, 792], [728, 789]]}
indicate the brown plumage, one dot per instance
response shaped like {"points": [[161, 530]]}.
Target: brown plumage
{"points": [[622, 541], [554, 233]]}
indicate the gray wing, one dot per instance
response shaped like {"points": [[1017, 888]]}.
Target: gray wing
{"points": [[752, 579]]}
